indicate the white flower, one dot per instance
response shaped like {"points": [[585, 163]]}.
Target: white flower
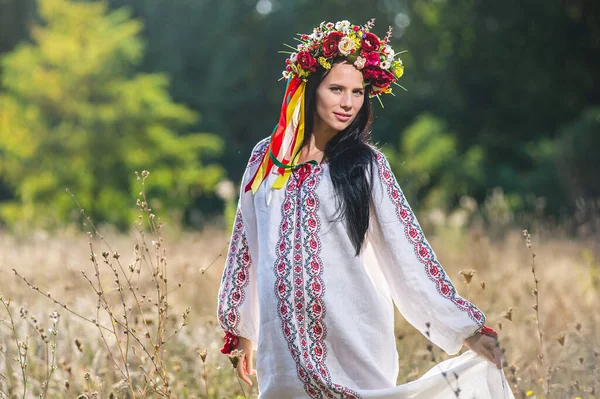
{"points": [[330, 25], [343, 26], [390, 53], [384, 65], [286, 74], [300, 46], [346, 45], [293, 57], [317, 35], [54, 317]]}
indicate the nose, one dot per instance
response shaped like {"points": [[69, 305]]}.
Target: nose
{"points": [[346, 101]]}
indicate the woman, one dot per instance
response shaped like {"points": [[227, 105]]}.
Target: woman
{"points": [[324, 244]]}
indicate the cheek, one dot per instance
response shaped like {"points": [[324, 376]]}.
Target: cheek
{"points": [[358, 102], [324, 103]]}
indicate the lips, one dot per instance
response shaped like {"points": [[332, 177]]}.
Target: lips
{"points": [[342, 117]]}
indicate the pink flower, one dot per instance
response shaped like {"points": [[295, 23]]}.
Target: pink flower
{"points": [[360, 62], [372, 58]]}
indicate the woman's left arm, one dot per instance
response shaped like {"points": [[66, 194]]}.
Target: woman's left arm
{"points": [[420, 287]]}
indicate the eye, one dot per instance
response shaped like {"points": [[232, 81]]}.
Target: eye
{"points": [[359, 92], [336, 89]]}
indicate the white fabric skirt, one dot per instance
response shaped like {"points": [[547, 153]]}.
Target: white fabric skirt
{"points": [[477, 378]]}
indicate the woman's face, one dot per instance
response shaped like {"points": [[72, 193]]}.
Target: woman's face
{"points": [[340, 96]]}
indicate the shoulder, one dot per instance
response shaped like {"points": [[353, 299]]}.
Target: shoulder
{"points": [[380, 161], [259, 151]]}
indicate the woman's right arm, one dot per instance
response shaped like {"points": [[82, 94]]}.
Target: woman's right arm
{"points": [[238, 312]]}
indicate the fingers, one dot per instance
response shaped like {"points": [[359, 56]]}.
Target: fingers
{"points": [[245, 368], [249, 363], [493, 352], [241, 370], [497, 356]]}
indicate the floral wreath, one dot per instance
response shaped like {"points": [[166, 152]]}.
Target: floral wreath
{"points": [[373, 56]]}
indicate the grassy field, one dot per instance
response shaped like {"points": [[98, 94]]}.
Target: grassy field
{"points": [[160, 291]]}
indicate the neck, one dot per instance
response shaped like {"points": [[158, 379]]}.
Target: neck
{"points": [[315, 146]]}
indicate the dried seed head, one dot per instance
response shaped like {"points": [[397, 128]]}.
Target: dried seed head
{"points": [[235, 356], [467, 274], [203, 354], [508, 314]]}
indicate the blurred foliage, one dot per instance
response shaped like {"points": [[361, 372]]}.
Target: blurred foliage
{"points": [[74, 113], [499, 94], [430, 167]]}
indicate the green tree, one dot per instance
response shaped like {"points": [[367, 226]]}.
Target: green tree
{"points": [[429, 165], [74, 113]]}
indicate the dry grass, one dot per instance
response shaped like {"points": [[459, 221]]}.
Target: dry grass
{"points": [[501, 284]]}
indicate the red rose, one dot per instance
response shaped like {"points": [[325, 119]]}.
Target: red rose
{"points": [[306, 61], [370, 73], [330, 44], [370, 42], [384, 79], [372, 59], [378, 77]]}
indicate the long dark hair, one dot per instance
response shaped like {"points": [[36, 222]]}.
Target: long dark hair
{"points": [[350, 158]]}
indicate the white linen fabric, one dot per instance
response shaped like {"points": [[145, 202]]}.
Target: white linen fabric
{"points": [[322, 318]]}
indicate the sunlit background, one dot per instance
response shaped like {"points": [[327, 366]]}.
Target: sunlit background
{"points": [[502, 100], [498, 131]]}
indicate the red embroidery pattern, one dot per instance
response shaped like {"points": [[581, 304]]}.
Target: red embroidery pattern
{"points": [[299, 286], [423, 250], [235, 279], [259, 151]]}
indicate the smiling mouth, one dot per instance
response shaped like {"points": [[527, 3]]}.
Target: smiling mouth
{"points": [[342, 117]]}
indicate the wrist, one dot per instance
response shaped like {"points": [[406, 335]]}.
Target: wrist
{"points": [[483, 330], [231, 342]]}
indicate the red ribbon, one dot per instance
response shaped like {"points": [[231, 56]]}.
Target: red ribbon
{"points": [[231, 341], [278, 133], [490, 332]]}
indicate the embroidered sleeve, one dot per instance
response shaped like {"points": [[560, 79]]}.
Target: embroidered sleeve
{"points": [[237, 305], [238, 297], [420, 287]]}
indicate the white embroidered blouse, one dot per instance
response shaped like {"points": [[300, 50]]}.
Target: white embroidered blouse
{"points": [[322, 318]]}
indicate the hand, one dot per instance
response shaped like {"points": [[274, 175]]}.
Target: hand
{"points": [[244, 368], [486, 347]]}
